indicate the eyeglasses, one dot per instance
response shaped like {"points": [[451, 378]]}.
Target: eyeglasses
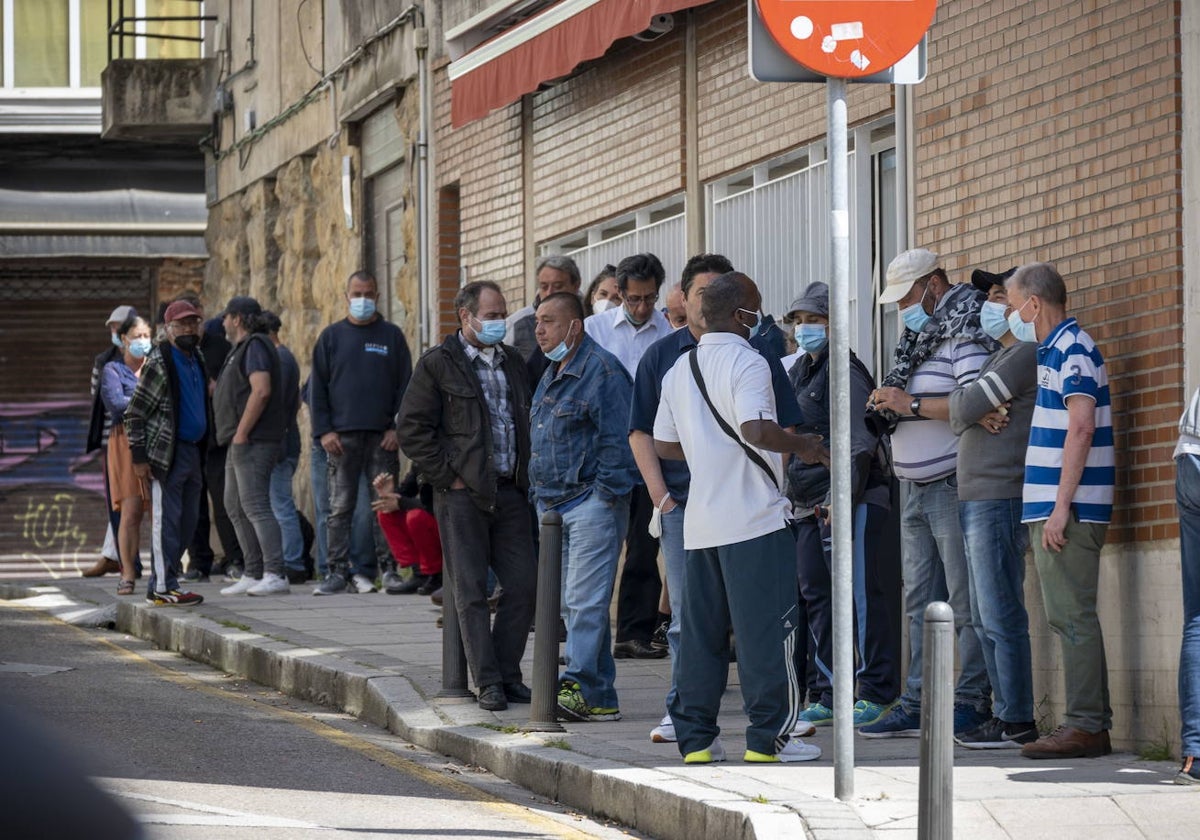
{"points": [[637, 300]]}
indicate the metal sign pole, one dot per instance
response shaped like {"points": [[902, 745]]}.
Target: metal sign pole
{"points": [[843, 513]]}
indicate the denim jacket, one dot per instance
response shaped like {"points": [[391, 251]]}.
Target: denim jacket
{"points": [[580, 429]]}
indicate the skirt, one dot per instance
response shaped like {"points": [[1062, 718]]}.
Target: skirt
{"points": [[123, 483]]}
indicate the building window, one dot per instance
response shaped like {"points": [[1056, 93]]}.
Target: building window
{"points": [[659, 229]]}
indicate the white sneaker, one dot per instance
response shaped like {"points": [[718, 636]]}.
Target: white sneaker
{"points": [[797, 750], [243, 584], [802, 729], [714, 753], [362, 584], [270, 585], [664, 733]]}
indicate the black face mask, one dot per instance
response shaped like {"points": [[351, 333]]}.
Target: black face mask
{"points": [[187, 343]]}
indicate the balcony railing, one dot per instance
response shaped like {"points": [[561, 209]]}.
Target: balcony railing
{"points": [[120, 15]]}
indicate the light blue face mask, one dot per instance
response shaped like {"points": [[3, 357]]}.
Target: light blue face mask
{"points": [[915, 317], [991, 318], [1021, 331], [361, 308], [139, 348], [560, 352], [490, 332], [811, 338], [116, 340], [754, 330]]}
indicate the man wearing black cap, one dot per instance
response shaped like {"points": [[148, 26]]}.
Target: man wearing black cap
{"points": [[167, 423], [249, 417]]}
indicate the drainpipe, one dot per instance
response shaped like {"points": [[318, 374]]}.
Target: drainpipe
{"points": [[427, 300]]}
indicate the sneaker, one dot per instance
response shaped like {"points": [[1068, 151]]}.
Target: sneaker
{"points": [[995, 734], [296, 576], [664, 733], [362, 584], [794, 750], [194, 576], [866, 712], [658, 641], [334, 584], [803, 728], [968, 718], [714, 752], [898, 724], [817, 714], [401, 584], [232, 573], [1189, 773], [430, 584], [242, 585], [270, 585], [174, 598], [599, 714], [390, 581], [572, 706]]}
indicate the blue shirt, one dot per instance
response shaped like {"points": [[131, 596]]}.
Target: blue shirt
{"points": [[579, 438], [1069, 365], [192, 423], [659, 358]]}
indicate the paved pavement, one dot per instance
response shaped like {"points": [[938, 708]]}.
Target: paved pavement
{"points": [[378, 656]]}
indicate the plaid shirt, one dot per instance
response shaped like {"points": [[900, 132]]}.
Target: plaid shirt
{"points": [[152, 416], [496, 393]]}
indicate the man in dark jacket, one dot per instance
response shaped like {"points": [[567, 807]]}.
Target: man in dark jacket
{"points": [[167, 423], [465, 424]]}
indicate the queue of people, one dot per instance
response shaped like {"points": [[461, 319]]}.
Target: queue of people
{"points": [[676, 428]]}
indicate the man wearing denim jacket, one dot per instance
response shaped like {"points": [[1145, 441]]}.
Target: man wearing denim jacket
{"points": [[580, 465]]}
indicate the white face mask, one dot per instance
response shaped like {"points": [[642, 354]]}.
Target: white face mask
{"points": [[602, 305]]}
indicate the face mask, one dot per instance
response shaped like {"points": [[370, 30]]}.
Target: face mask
{"points": [[1021, 331], [811, 338], [915, 317], [187, 343], [560, 352], [490, 332], [139, 348], [991, 318], [361, 308], [757, 322], [602, 305], [631, 320], [116, 340]]}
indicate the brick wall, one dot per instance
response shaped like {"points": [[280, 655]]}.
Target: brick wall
{"points": [[449, 263], [1058, 141]]}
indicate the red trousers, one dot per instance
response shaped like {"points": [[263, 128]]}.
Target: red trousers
{"points": [[413, 537]]}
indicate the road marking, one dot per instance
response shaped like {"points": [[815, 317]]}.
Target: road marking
{"points": [[31, 670]]}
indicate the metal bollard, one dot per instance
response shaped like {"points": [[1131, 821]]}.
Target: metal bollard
{"points": [[454, 658], [542, 717], [935, 796]]}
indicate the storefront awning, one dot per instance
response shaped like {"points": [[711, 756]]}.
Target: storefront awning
{"points": [[547, 46]]}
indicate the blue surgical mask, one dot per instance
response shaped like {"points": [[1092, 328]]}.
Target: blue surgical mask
{"points": [[991, 318], [1021, 330], [116, 340], [630, 319], [811, 338], [361, 308], [915, 317], [754, 330], [560, 352], [491, 332], [139, 348]]}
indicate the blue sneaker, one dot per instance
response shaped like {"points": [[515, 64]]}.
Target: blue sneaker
{"points": [[866, 712], [967, 718], [899, 723], [817, 714]]}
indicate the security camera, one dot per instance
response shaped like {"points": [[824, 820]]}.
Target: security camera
{"points": [[659, 26]]}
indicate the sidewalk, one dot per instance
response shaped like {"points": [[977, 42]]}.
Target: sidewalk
{"points": [[379, 656]]}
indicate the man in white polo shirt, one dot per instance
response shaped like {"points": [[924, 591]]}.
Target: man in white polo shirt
{"points": [[717, 411], [942, 348]]}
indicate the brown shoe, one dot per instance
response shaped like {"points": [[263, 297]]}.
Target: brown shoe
{"points": [[1068, 742], [103, 566]]}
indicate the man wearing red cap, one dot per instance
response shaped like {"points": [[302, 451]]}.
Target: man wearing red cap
{"points": [[167, 423]]}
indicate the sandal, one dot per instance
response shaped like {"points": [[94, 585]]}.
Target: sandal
{"points": [[125, 587]]}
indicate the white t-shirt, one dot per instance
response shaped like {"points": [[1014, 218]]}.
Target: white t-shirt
{"points": [[730, 499]]}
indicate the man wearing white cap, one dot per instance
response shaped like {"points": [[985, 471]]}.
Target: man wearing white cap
{"points": [[942, 347], [98, 439]]}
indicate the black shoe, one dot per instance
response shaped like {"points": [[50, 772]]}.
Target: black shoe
{"points": [[436, 596], [491, 697], [995, 734], [517, 692], [194, 576], [295, 575], [1189, 772], [636, 649], [659, 640], [406, 586], [430, 584]]}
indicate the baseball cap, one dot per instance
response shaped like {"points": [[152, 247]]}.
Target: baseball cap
{"points": [[984, 280], [120, 315], [241, 305], [907, 268], [180, 309]]}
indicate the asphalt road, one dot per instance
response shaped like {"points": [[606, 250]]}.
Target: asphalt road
{"points": [[193, 753]]}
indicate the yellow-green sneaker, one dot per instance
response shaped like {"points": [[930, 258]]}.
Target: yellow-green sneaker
{"points": [[793, 750], [714, 752]]}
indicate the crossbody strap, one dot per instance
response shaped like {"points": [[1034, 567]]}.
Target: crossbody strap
{"points": [[725, 427]]}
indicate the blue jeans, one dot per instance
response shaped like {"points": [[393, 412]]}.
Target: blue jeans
{"points": [[996, 541], [935, 569], [592, 536], [284, 508], [362, 545], [1187, 497], [675, 561]]}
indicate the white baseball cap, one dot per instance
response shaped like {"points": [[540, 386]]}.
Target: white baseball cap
{"points": [[907, 268]]}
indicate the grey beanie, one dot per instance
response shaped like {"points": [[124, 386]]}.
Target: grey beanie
{"points": [[814, 299]]}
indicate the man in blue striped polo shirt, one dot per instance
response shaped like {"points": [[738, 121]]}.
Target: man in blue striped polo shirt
{"points": [[1068, 497]]}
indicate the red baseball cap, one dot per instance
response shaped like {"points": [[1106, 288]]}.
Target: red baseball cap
{"points": [[179, 310]]}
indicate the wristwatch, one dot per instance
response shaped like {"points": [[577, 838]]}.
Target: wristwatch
{"points": [[915, 407]]}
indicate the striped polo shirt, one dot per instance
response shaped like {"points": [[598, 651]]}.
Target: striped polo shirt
{"points": [[1069, 364]]}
